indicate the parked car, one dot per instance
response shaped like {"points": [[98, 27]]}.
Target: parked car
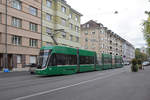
{"points": [[32, 68], [146, 63], [126, 63]]}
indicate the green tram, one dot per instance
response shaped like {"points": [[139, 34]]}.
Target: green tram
{"points": [[118, 61], [60, 60], [107, 61]]}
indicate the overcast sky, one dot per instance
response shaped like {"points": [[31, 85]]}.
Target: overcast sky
{"points": [[127, 23]]}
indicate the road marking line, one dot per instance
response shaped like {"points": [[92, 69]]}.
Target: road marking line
{"points": [[49, 91]]}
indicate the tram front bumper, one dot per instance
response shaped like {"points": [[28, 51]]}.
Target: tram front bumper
{"points": [[40, 72]]}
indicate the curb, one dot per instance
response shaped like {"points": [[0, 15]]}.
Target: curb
{"points": [[16, 70]]}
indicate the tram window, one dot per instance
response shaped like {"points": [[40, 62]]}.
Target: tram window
{"points": [[72, 59], [63, 59], [107, 60], [86, 60], [52, 61], [117, 60]]}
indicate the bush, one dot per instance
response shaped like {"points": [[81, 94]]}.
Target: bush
{"points": [[134, 66], [134, 61]]}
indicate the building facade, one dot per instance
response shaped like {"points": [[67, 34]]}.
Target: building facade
{"points": [[61, 24], [20, 32], [98, 38], [128, 51], [91, 37], [114, 43]]}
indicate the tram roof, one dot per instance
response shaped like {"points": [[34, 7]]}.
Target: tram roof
{"points": [[69, 50]]}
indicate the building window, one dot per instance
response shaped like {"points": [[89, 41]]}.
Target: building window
{"points": [[110, 48], [33, 27], [86, 39], [93, 32], [16, 40], [33, 42], [63, 9], [48, 44], [84, 26], [16, 4], [48, 17], [86, 46], [86, 32], [71, 26], [76, 18], [77, 29], [48, 31], [33, 10], [0, 17], [32, 59], [87, 25], [103, 46], [16, 22], [77, 39], [116, 44], [70, 15], [110, 42], [63, 22], [49, 3], [71, 37], [0, 37], [63, 34], [18, 59], [102, 31]]}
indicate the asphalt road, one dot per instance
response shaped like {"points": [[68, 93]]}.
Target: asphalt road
{"points": [[114, 84]]}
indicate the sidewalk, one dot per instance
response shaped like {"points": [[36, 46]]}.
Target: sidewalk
{"points": [[18, 69]]}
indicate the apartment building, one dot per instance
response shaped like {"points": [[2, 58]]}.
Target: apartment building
{"points": [[20, 32], [98, 38], [128, 51], [114, 43], [93, 37], [61, 24]]}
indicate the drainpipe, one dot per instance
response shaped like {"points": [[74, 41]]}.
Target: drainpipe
{"points": [[6, 58], [41, 21]]}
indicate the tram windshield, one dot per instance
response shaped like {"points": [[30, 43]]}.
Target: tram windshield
{"points": [[43, 57]]}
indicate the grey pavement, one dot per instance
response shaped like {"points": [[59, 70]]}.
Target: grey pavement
{"points": [[17, 70], [114, 84]]}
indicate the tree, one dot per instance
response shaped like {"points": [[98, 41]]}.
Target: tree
{"points": [[146, 30], [140, 55]]}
